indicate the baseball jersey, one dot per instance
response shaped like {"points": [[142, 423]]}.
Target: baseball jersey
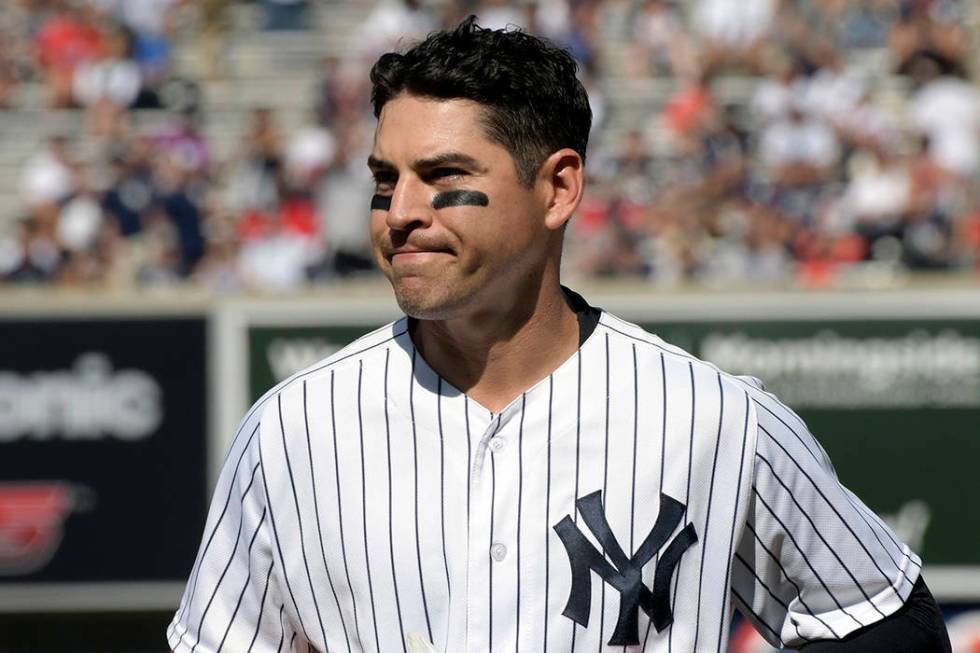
{"points": [[631, 499]]}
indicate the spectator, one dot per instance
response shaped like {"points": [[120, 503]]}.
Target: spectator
{"points": [[151, 23], [257, 175], [391, 24], [552, 19], [946, 108], [878, 194], [49, 177], [66, 39], [185, 143], [773, 96], [108, 85], [833, 90], [79, 222], [734, 32], [307, 156], [798, 150], [275, 255], [340, 205], [662, 45], [177, 202], [931, 30], [38, 257], [130, 191]]}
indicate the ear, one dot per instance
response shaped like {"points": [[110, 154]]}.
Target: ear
{"points": [[562, 179]]}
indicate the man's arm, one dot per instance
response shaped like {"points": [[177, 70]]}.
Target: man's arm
{"points": [[917, 627]]}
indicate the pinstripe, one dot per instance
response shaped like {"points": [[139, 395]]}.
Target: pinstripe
{"points": [[258, 620], [224, 571], [442, 488], [332, 363], [547, 515], [858, 508], [731, 539], [275, 537], [687, 497], [818, 533], [636, 431], [299, 517], [774, 596], [805, 558], [469, 460], [663, 457], [758, 619], [789, 579], [282, 625], [636, 419], [255, 409], [605, 499], [834, 508], [340, 511], [391, 539], [248, 579], [520, 496], [707, 519], [316, 513], [873, 520], [578, 451], [415, 452], [195, 572], [364, 521], [790, 429], [490, 560]]}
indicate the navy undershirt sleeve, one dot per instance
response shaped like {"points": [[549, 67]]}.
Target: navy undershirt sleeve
{"points": [[917, 627]]}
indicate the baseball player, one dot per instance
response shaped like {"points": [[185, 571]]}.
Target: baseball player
{"points": [[508, 468]]}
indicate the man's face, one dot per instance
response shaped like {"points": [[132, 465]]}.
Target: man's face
{"points": [[461, 230]]}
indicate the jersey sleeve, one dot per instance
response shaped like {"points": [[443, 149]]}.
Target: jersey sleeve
{"points": [[813, 562], [232, 601]]}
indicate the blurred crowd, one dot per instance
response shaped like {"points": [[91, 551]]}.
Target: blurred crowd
{"points": [[758, 141]]}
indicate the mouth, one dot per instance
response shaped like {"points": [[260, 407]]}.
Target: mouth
{"points": [[417, 254]]}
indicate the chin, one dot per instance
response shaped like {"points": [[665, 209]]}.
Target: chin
{"points": [[424, 302]]}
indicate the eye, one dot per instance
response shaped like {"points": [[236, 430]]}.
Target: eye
{"points": [[446, 173], [384, 181]]}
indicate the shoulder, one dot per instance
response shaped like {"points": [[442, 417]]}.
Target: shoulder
{"points": [[652, 347], [367, 347]]}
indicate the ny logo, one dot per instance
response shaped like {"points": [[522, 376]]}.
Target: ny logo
{"points": [[625, 577]]}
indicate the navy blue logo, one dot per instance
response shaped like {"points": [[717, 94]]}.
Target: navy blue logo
{"points": [[622, 573]]}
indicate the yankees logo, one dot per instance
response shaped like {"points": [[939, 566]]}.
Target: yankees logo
{"points": [[624, 574]]}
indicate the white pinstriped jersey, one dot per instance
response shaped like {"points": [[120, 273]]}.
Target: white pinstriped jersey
{"points": [[365, 499]]}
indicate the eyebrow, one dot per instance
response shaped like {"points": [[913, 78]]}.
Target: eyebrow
{"points": [[442, 159]]}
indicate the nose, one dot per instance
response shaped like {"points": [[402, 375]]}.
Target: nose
{"points": [[409, 206]]}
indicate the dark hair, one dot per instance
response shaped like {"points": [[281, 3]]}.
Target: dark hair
{"points": [[534, 103]]}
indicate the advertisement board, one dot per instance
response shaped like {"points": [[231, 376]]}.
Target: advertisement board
{"points": [[103, 439]]}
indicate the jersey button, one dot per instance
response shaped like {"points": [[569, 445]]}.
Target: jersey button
{"points": [[498, 551], [497, 444]]}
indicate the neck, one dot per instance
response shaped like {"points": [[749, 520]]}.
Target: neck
{"points": [[495, 354]]}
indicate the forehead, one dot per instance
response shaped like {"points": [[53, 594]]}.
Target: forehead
{"points": [[411, 128]]}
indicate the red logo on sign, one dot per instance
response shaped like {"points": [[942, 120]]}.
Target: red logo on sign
{"points": [[32, 517]]}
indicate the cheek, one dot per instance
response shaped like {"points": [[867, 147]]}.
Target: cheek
{"points": [[378, 225]]}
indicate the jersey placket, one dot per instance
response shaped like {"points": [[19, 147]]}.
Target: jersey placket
{"points": [[492, 542]]}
